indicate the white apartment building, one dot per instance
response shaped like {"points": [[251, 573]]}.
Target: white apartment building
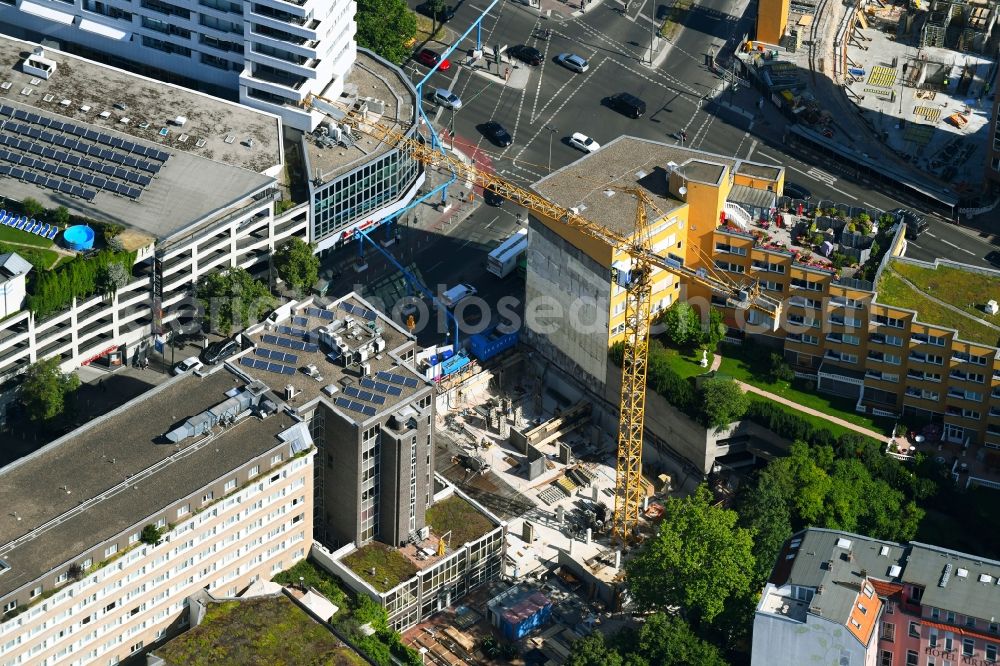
{"points": [[230, 490], [207, 205], [274, 53]]}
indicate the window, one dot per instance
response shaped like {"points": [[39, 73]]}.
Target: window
{"points": [[35, 592], [254, 471], [950, 617], [912, 658], [230, 485], [970, 621], [991, 652], [886, 659], [888, 632], [276, 458], [995, 627], [915, 629], [111, 550], [932, 638], [968, 647], [208, 497], [890, 607], [9, 606], [184, 510], [62, 578], [134, 537], [935, 613]]}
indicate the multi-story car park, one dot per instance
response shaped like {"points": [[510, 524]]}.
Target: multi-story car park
{"points": [[845, 598], [214, 463], [272, 54], [887, 343], [210, 203]]}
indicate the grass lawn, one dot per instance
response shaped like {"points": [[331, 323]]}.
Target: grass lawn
{"points": [[673, 23], [457, 516], [390, 567], [751, 364], [18, 236], [963, 289], [41, 260], [685, 362], [424, 25], [266, 630]]}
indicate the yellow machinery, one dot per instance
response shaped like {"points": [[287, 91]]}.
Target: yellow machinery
{"points": [[636, 280]]}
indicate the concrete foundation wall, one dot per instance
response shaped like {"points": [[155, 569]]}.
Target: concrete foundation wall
{"points": [[567, 305]]}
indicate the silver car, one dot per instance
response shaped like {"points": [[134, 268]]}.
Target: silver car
{"points": [[572, 61], [447, 99]]}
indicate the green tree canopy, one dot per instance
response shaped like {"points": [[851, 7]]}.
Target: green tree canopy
{"points": [[233, 299], [682, 324], [32, 207], [698, 560], [385, 27], [667, 640], [723, 401], [296, 264], [593, 650], [44, 389], [715, 331]]}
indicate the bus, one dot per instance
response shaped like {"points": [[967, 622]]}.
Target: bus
{"points": [[503, 260]]}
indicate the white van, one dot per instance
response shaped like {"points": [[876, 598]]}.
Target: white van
{"points": [[461, 291]]}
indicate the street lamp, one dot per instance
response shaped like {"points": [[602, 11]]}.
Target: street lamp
{"points": [[552, 130], [652, 29]]}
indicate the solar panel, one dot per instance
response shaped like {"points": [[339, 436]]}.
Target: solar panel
{"points": [[111, 186], [292, 331], [33, 118], [397, 379], [118, 158], [79, 131], [62, 171], [297, 344], [56, 125], [117, 142], [91, 150], [301, 321], [120, 173], [6, 110], [107, 170], [271, 339], [61, 155], [49, 153], [311, 347], [4, 170], [131, 161], [132, 192], [105, 154], [65, 188], [368, 383], [30, 176], [54, 183], [87, 179], [88, 195], [91, 135], [128, 145], [20, 114], [99, 182], [146, 166], [49, 168], [34, 132], [104, 138], [314, 312], [48, 136], [44, 121], [77, 191], [274, 367], [288, 370], [247, 361], [76, 175], [73, 159], [144, 181], [86, 163]]}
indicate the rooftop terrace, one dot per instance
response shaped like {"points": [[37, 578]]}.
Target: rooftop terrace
{"points": [[368, 78], [337, 340], [629, 161], [945, 296], [262, 630], [107, 476], [216, 158]]}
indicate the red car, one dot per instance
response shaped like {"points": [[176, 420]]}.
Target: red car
{"points": [[430, 58]]}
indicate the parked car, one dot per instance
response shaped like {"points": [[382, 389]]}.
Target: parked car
{"points": [[217, 352], [915, 224], [583, 142], [457, 293], [994, 258], [630, 105], [527, 54], [444, 14], [497, 133], [431, 58], [574, 62], [492, 198], [190, 364], [796, 191], [447, 99]]}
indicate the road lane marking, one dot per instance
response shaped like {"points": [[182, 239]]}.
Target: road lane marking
{"points": [[957, 247], [927, 233], [820, 175], [870, 205]]}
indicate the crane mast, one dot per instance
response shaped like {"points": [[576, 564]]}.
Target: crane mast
{"points": [[636, 280]]}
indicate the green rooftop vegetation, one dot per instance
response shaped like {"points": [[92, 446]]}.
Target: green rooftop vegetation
{"points": [[265, 630], [965, 290], [389, 566], [457, 516]]}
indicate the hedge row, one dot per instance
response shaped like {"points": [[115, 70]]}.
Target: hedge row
{"points": [[55, 290]]}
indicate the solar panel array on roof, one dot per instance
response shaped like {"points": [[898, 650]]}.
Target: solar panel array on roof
{"points": [[364, 313], [381, 387], [298, 345], [92, 175], [367, 396], [275, 355], [300, 321], [322, 314], [394, 378], [355, 406], [276, 368], [288, 330]]}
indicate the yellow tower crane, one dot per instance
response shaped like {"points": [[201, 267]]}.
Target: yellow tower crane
{"points": [[636, 279]]}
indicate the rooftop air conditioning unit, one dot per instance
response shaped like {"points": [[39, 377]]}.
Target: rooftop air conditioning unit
{"points": [[180, 121]]}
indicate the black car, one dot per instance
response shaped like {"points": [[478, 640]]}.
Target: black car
{"points": [[217, 352], [492, 198], [497, 133], [528, 54], [444, 14], [630, 105], [796, 191]]}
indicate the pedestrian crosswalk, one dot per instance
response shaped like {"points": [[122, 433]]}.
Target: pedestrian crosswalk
{"points": [[821, 175]]}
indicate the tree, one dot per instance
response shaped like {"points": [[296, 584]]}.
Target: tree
{"points": [[31, 207], [112, 277], [296, 264], [592, 650], [715, 331], [44, 389], [233, 299], [698, 560], [780, 371], [723, 401], [682, 324], [61, 216], [385, 27], [667, 640], [436, 8], [151, 535], [764, 511]]}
